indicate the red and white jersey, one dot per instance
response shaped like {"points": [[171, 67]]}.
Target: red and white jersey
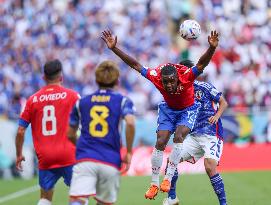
{"points": [[184, 96], [48, 112]]}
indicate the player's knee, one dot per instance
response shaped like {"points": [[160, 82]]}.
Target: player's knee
{"points": [[210, 167], [161, 144], [179, 137]]}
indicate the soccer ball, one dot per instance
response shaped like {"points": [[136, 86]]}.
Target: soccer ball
{"points": [[190, 30]]}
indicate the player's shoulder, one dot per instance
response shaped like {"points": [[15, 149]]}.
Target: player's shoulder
{"points": [[203, 85]]}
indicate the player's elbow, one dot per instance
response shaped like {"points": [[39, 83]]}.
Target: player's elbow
{"points": [[223, 102], [200, 67], [20, 131], [130, 121], [226, 104], [137, 66]]}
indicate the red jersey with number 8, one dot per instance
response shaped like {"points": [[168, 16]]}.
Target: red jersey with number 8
{"points": [[48, 112]]}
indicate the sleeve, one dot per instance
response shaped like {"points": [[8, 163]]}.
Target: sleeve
{"points": [[127, 107], [75, 114], [215, 94], [192, 73], [25, 117], [150, 73]]}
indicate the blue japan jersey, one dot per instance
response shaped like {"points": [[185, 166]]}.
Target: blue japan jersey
{"points": [[208, 96], [100, 115]]}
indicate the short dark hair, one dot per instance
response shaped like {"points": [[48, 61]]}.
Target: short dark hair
{"points": [[168, 70], [52, 69], [187, 63], [107, 74]]}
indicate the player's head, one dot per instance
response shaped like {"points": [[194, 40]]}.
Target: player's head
{"points": [[169, 78], [107, 74], [187, 63], [53, 71]]}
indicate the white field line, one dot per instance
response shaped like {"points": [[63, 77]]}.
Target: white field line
{"points": [[19, 194]]}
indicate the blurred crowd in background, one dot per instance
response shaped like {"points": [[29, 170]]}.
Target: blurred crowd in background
{"points": [[33, 31]]}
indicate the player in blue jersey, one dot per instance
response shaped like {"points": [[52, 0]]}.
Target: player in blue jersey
{"points": [[97, 171], [205, 139]]}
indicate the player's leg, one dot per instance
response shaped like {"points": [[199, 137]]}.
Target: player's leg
{"points": [[83, 183], [172, 199], [174, 157], [213, 151], [156, 162], [191, 152], [185, 122], [47, 181], [164, 130], [45, 197], [108, 184]]}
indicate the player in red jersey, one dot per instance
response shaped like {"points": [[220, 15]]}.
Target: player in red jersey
{"points": [[178, 112], [48, 113]]}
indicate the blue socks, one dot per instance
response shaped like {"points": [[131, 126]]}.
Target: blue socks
{"points": [[216, 181], [172, 191], [218, 185]]}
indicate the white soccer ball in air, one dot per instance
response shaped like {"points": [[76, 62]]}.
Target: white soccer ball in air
{"points": [[190, 30]]}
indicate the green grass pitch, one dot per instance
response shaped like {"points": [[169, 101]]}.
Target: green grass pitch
{"points": [[243, 188]]}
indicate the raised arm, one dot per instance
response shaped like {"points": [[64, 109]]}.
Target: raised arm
{"points": [[111, 44], [222, 107], [207, 56]]}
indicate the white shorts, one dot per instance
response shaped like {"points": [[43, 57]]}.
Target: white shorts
{"points": [[196, 146], [95, 179]]}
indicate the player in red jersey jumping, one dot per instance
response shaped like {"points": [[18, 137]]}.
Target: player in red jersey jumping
{"points": [[179, 111], [48, 113]]}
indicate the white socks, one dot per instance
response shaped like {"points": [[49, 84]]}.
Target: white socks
{"points": [[174, 159], [44, 202], [156, 161]]}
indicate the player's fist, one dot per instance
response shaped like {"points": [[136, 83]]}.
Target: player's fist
{"points": [[213, 119], [19, 160], [109, 39], [127, 162], [213, 39]]}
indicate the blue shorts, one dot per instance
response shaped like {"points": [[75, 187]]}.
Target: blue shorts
{"points": [[169, 119], [49, 177]]}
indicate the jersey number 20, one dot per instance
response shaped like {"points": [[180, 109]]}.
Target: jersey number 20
{"points": [[98, 113], [48, 116]]}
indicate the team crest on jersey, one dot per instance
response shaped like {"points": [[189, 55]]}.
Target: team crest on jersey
{"points": [[199, 94], [153, 73], [181, 87]]}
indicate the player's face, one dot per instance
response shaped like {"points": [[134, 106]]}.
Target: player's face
{"points": [[170, 83]]}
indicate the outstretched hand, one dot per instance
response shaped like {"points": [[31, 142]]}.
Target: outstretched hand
{"points": [[109, 39], [213, 119], [213, 39]]}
